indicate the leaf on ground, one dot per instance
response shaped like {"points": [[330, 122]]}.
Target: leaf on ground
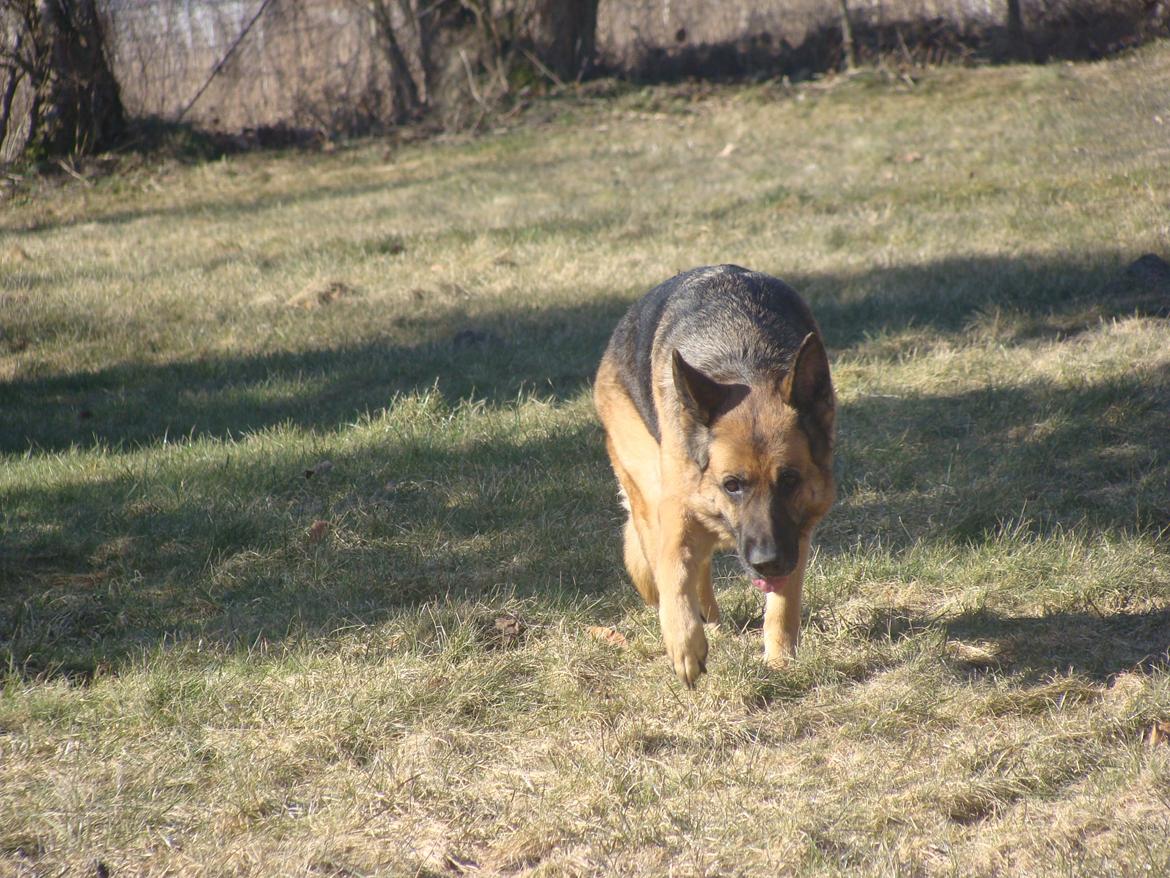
{"points": [[509, 629], [610, 635], [16, 253], [1159, 733], [460, 865], [317, 294]]}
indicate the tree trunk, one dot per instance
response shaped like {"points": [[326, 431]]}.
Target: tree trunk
{"points": [[402, 27], [1018, 48], [57, 94], [563, 34], [848, 52]]}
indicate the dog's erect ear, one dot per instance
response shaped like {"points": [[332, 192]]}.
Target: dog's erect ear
{"points": [[699, 397], [807, 387]]}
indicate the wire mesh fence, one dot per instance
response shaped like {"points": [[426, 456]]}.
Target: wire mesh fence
{"points": [[320, 65], [239, 64]]}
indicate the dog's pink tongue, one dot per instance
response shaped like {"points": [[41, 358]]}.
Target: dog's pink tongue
{"points": [[772, 583]]}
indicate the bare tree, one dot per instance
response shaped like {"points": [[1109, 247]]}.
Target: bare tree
{"points": [[848, 52], [432, 45], [406, 30], [57, 94], [557, 36], [563, 35]]}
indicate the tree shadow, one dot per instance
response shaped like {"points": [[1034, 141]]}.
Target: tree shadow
{"points": [[1027, 298], [217, 544], [965, 466], [552, 351], [1090, 643], [496, 357], [229, 548], [1037, 647]]}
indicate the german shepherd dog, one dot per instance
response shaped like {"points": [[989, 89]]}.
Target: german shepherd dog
{"points": [[719, 415]]}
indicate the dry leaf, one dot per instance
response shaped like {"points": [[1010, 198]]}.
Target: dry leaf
{"points": [[317, 294], [610, 635], [460, 865], [317, 531], [727, 150], [1159, 733], [509, 629]]}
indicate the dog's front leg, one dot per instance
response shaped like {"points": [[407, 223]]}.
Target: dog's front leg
{"points": [[683, 550], [782, 613]]}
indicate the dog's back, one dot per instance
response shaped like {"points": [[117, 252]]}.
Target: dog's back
{"points": [[735, 325]]}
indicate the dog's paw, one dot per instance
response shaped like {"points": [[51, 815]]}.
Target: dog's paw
{"points": [[685, 640]]}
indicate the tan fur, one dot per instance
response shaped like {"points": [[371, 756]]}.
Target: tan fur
{"points": [[680, 515]]}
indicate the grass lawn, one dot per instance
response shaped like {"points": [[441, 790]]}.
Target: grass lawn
{"points": [[310, 553]]}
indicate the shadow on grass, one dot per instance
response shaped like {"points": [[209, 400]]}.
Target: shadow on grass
{"points": [[219, 545], [550, 353], [1088, 642], [967, 465], [215, 546], [1020, 299], [1091, 643]]}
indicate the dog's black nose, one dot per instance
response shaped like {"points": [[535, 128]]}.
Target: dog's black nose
{"points": [[765, 558]]}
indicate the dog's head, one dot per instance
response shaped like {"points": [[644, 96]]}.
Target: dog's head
{"points": [[765, 453]]}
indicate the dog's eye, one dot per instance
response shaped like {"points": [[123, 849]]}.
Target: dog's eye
{"points": [[788, 480], [732, 485]]}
